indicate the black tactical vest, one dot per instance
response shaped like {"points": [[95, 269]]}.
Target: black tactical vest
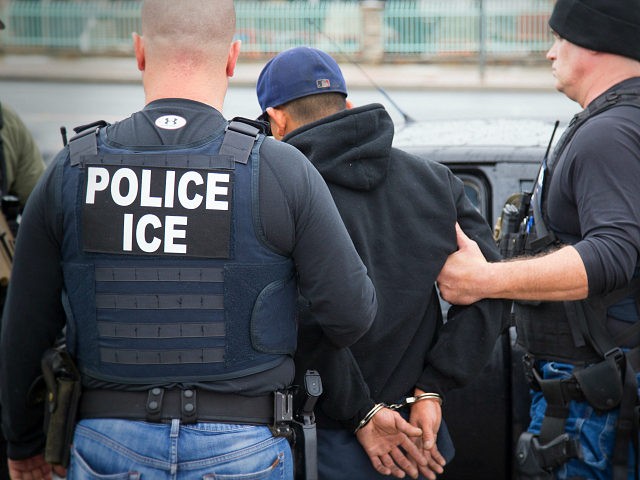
{"points": [[564, 331]]}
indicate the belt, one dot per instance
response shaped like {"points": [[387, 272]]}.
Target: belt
{"points": [[189, 405]]}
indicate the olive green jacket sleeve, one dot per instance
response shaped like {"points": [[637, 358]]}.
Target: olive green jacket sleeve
{"points": [[24, 164]]}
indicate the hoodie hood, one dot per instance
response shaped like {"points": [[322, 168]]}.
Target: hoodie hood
{"points": [[350, 148]]}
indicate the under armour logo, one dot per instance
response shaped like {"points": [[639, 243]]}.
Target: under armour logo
{"points": [[170, 122]]}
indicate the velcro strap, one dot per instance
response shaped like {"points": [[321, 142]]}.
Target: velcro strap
{"points": [[83, 144], [560, 391], [238, 141], [633, 357], [189, 405], [557, 393]]}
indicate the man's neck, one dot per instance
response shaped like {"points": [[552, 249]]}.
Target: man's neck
{"points": [[200, 87], [614, 70]]}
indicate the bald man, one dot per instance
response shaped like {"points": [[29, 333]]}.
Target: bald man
{"points": [[170, 248]]}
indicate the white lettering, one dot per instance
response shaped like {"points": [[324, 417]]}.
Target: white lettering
{"points": [[146, 200], [171, 233], [127, 233], [97, 181], [132, 193], [213, 190], [170, 185], [183, 186], [126, 185], [154, 244]]}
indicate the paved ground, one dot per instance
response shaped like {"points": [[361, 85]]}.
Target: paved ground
{"points": [[396, 76]]}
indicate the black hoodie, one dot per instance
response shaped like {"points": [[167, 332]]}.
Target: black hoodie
{"points": [[400, 211]]}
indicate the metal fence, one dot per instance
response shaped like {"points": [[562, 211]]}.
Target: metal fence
{"points": [[467, 27], [418, 29], [86, 27]]}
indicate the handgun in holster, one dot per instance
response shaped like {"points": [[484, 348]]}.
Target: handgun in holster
{"points": [[62, 399], [304, 427]]}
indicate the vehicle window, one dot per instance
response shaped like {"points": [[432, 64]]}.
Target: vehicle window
{"points": [[477, 191]]}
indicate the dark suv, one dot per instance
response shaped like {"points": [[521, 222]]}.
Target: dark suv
{"points": [[495, 159]]}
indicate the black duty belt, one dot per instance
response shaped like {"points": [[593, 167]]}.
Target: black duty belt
{"points": [[188, 405]]}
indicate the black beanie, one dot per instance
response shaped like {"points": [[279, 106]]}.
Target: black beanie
{"points": [[611, 26]]}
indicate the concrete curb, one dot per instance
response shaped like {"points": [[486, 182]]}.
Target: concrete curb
{"points": [[388, 76]]}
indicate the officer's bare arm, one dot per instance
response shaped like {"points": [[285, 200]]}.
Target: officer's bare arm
{"points": [[467, 277], [560, 275]]}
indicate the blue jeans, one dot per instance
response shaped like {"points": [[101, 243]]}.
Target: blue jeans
{"points": [[120, 449], [595, 431]]}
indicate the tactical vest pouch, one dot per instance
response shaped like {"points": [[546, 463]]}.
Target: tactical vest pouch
{"points": [[601, 384], [61, 405], [270, 327]]}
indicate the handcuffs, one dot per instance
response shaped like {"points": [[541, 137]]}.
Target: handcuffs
{"points": [[396, 406]]}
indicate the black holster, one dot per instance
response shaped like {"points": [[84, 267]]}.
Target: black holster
{"points": [[62, 399], [305, 448], [537, 462]]}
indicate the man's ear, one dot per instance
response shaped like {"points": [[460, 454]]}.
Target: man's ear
{"points": [[278, 119], [138, 47], [234, 53], [349, 104]]}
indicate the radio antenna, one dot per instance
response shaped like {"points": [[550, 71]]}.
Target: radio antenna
{"points": [[407, 118], [553, 134]]}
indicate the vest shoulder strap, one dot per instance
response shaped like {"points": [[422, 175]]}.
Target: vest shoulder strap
{"points": [[630, 97], [85, 143], [240, 136]]}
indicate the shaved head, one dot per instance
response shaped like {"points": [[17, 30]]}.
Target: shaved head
{"points": [[188, 31]]}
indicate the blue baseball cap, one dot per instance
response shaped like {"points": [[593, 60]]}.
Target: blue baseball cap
{"points": [[296, 73]]}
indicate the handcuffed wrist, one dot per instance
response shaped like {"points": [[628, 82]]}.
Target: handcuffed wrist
{"points": [[367, 418], [426, 396], [396, 406]]}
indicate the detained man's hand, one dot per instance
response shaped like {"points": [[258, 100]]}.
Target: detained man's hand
{"points": [[388, 440], [34, 468], [427, 415], [461, 277]]}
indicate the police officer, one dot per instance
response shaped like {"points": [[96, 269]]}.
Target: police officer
{"points": [[171, 245], [577, 313]]}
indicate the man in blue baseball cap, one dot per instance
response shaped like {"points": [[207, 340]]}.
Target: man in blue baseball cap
{"points": [[299, 73], [400, 212]]}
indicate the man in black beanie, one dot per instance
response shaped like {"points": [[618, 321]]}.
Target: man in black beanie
{"points": [[576, 306]]}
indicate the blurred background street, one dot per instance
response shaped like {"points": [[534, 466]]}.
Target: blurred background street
{"points": [[66, 62]]}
